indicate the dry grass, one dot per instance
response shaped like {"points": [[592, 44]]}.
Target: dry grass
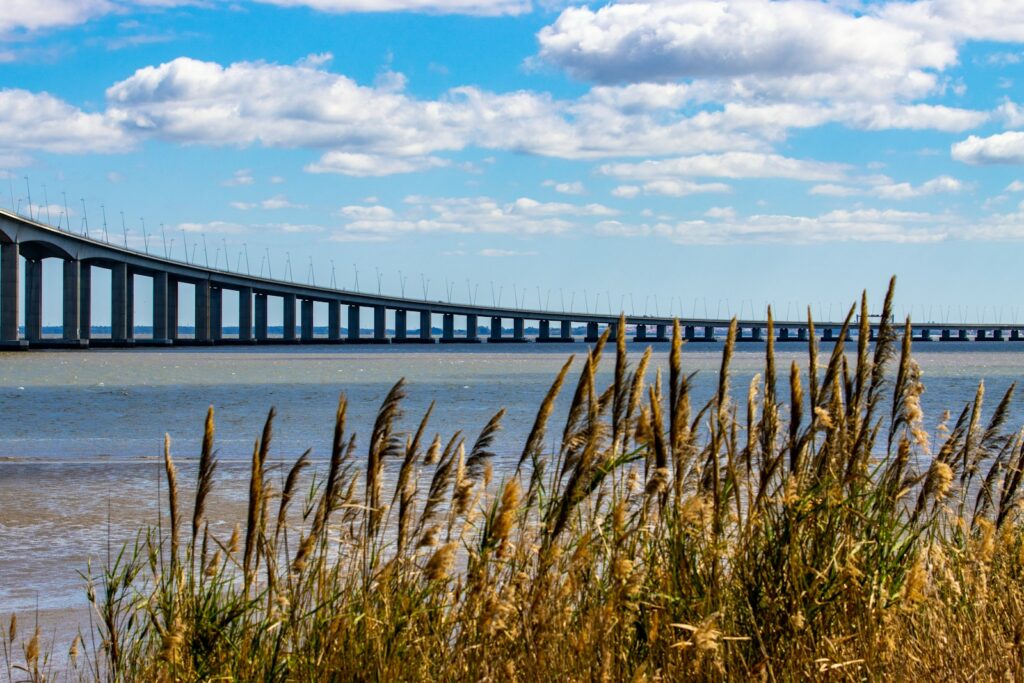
{"points": [[748, 540]]}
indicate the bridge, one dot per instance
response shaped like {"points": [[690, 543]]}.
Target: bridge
{"points": [[27, 239]]}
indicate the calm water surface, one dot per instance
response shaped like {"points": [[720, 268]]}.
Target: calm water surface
{"points": [[82, 432]]}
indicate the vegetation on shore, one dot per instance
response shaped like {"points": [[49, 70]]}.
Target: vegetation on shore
{"points": [[777, 536]]}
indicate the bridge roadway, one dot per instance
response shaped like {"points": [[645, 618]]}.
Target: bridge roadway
{"points": [[33, 241]]}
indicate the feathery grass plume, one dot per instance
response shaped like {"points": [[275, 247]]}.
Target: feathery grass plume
{"points": [[675, 371], [336, 471], [255, 506], [405, 487], [500, 527], [172, 498], [207, 467], [290, 484], [439, 483], [796, 404], [480, 455], [440, 565], [433, 452], [619, 385], [636, 389], [384, 443], [812, 364], [535, 440]]}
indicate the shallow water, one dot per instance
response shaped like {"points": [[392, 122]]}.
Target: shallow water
{"points": [[82, 433]]}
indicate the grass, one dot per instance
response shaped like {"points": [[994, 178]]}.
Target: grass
{"points": [[766, 537]]}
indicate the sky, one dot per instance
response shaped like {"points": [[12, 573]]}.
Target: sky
{"points": [[681, 157]]}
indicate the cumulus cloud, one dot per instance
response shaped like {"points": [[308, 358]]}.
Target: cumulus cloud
{"points": [[498, 253], [884, 188], [1003, 148], [729, 165], [242, 176], [468, 215], [39, 121], [271, 203], [573, 188], [471, 7]]}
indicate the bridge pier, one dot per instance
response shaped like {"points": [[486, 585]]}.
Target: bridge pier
{"points": [[33, 299], [119, 302], [472, 328], [289, 316], [1015, 335], [216, 314], [353, 323], [613, 334], [545, 331], [401, 325], [10, 291], [661, 333], [709, 333], [519, 329], [566, 331], [426, 333], [202, 324], [245, 314], [945, 336], [380, 329], [129, 307], [172, 309], [260, 314], [495, 335], [447, 327], [72, 281], [783, 335], [334, 320], [85, 301], [997, 335], [159, 306], [980, 335], [641, 333], [307, 320], [962, 335], [592, 334]]}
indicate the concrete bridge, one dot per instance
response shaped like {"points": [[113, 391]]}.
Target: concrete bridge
{"points": [[33, 241]]}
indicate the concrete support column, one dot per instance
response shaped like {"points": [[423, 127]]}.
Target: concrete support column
{"points": [[801, 334], [689, 332], [119, 302], [783, 334], [566, 330], [260, 314], [709, 333], [159, 306], [545, 330], [85, 301], [289, 316], [641, 332], [1014, 335], [245, 314], [425, 325], [353, 323], [997, 335], [380, 332], [334, 320], [829, 334], [33, 299], [518, 329], [961, 335], [926, 334], [216, 313], [10, 291], [661, 332], [307, 320], [72, 281], [756, 334], [495, 328], [472, 328], [448, 326], [203, 311], [400, 324], [172, 308], [614, 334], [592, 335], [129, 307]]}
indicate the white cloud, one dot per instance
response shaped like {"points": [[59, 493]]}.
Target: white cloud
{"points": [[884, 188], [1003, 148], [242, 176], [724, 212], [626, 191], [471, 7], [270, 204], [33, 15], [682, 188], [468, 215], [1015, 186], [39, 121], [573, 188], [353, 164], [728, 165], [212, 227], [498, 253]]}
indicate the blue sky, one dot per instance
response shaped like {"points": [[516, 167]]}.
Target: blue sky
{"points": [[706, 155]]}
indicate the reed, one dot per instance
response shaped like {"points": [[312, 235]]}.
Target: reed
{"points": [[656, 540]]}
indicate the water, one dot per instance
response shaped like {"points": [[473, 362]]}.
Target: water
{"points": [[82, 433]]}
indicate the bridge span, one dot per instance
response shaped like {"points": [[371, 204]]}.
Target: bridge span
{"points": [[23, 240]]}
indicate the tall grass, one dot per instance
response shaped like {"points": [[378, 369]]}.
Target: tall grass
{"points": [[765, 537]]}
